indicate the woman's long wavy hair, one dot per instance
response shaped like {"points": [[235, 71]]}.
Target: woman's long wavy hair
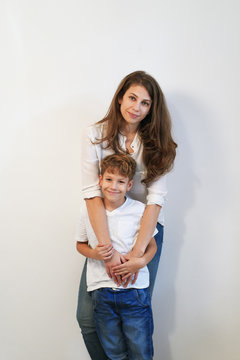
{"points": [[159, 149]]}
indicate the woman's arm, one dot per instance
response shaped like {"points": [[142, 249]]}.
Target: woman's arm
{"points": [[91, 192], [156, 194], [148, 225], [98, 219]]}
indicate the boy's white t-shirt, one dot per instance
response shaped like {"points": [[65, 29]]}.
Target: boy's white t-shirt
{"points": [[123, 224]]}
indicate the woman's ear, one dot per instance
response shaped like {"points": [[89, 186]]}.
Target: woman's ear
{"points": [[119, 100]]}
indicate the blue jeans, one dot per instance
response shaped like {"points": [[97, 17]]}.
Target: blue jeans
{"points": [[124, 323], [85, 314]]}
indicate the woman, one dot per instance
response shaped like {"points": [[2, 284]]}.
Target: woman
{"points": [[138, 123]]}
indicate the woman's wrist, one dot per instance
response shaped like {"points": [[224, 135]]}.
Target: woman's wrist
{"points": [[141, 262], [137, 252]]}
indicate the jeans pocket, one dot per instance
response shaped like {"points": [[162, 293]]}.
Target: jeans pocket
{"points": [[143, 297], [94, 295]]}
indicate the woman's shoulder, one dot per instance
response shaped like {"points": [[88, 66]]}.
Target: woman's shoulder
{"points": [[96, 131]]}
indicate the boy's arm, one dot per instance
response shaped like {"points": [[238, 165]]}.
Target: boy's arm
{"points": [[150, 251], [100, 252], [133, 264]]}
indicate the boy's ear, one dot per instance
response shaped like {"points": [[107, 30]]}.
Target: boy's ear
{"points": [[100, 180], [130, 184]]}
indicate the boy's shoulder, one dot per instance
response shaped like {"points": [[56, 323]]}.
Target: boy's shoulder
{"points": [[133, 206], [83, 207], [132, 202], [84, 214]]}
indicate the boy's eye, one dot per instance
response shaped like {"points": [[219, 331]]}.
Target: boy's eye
{"points": [[122, 182], [108, 179]]}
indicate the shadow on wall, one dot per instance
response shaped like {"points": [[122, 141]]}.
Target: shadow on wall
{"points": [[182, 183]]}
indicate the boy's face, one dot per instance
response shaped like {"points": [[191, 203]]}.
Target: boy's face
{"points": [[114, 187]]}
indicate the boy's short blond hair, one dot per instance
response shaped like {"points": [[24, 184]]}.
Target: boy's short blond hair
{"points": [[124, 164]]}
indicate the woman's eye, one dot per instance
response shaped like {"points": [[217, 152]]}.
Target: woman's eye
{"points": [[145, 103], [132, 98]]}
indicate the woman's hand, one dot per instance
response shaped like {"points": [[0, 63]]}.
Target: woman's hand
{"points": [[129, 269], [115, 260], [103, 252]]}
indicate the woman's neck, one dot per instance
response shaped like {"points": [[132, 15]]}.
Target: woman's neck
{"points": [[129, 131], [130, 134]]}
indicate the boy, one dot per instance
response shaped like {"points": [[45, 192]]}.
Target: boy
{"points": [[123, 314]]}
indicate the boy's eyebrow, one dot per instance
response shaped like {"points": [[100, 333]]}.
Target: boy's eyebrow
{"points": [[143, 99], [122, 177]]}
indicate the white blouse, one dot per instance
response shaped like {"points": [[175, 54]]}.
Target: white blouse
{"points": [[92, 154]]}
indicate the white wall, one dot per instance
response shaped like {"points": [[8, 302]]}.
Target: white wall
{"points": [[60, 64]]}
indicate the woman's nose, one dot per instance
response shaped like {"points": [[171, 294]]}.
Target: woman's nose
{"points": [[136, 106]]}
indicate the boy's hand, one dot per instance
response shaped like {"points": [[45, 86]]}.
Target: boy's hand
{"points": [[103, 252], [115, 260]]}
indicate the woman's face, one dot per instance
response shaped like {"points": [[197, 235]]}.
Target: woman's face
{"points": [[135, 105]]}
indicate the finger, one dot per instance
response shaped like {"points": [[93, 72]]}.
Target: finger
{"points": [[107, 257], [127, 276], [100, 245], [119, 267], [108, 271], [127, 281], [119, 270], [117, 279], [104, 247], [110, 252], [126, 257], [123, 260], [105, 254], [107, 248], [135, 277]]}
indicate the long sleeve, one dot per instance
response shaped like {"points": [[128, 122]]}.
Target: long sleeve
{"points": [[91, 157], [81, 231], [157, 191]]}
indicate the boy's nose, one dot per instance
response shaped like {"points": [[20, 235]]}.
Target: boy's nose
{"points": [[114, 185]]}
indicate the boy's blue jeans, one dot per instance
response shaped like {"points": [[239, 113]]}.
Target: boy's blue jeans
{"points": [[124, 323], [85, 315]]}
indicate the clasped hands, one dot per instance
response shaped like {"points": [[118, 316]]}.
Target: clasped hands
{"points": [[123, 269]]}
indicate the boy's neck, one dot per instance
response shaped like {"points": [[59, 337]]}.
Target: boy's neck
{"points": [[110, 206]]}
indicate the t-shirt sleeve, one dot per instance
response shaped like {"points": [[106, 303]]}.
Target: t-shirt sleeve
{"points": [[81, 231], [90, 164], [157, 191]]}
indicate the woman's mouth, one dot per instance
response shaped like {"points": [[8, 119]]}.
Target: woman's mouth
{"points": [[133, 116]]}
